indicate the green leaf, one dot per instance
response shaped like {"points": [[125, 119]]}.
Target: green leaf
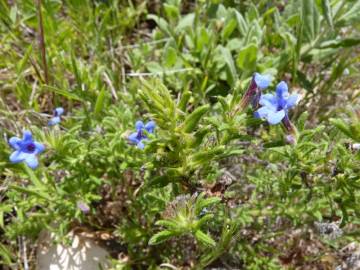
{"points": [[241, 23], [161, 237], [343, 127], [24, 60], [201, 203], [327, 11], [199, 136], [224, 103], [34, 179], [204, 220], [302, 120], [172, 11], [193, 119], [100, 102], [207, 155], [185, 22], [40, 193], [163, 25], [252, 13], [160, 181], [154, 67], [185, 96], [170, 56], [5, 254], [168, 223], [230, 66], [228, 29], [350, 16], [75, 69], [204, 238], [63, 93], [247, 57], [4, 11], [310, 18], [342, 43], [4, 209]]}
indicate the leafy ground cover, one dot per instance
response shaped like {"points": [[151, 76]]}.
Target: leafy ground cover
{"points": [[195, 134]]}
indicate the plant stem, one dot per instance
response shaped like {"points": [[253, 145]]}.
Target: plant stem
{"points": [[42, 41]]}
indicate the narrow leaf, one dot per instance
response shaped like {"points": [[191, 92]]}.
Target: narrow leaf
{"points": [[204, 238], [161, 237], [99, 105], [193, 119], [327, 12]]}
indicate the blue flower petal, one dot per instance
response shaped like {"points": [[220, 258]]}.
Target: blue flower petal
{"points": [[139, 125], [292, 101], [150, 126], [269, 100], [32, 161], [15, 142], [262, 81], [27, 136], [133, 137], [263, 112], [17, 156], [39, 147], [275, 117], [54, 121], [282, 89], [58, 111], [141, 145]]}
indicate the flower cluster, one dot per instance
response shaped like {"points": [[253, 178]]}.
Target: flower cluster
{"points": [[26, 149], [273, 107]]}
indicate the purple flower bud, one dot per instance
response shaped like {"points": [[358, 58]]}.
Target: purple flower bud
{"points": [[253, 93], [290, 139], [83, 207]]}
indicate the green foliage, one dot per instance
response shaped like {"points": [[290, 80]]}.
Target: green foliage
{"points": [[185, 219], [213, 187]]}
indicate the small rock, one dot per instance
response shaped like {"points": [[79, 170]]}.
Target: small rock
{"points": [[83, 254], [351, 257], [330, 230]]}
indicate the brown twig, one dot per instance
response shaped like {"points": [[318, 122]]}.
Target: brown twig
{"points": [[33, 63], [111, 86], [42, 41]]}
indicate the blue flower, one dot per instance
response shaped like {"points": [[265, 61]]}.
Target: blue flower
{"points": [[275, 107], [262, 81], [139, 136], [26, 150], [57, 116]]}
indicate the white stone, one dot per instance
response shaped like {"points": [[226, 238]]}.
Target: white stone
{"points": [[83, 254]]}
